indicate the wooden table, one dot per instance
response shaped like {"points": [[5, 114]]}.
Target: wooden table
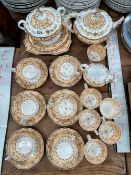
{"points": [[116, 164]]}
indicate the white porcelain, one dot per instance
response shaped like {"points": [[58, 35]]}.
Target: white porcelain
{"points": [[26, 146], [93, 23], [29, 107], [31, 73], [47, 21], [97, 75]]}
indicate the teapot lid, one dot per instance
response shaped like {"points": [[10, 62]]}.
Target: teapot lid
{"points": [[94, 24], [43, 22]]}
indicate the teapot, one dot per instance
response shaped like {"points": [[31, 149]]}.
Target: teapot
{"points": [[92, 24]]}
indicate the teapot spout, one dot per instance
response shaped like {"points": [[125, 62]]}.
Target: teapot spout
{"points": [[117, 23]]}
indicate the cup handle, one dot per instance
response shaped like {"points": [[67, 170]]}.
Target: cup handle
{"points": [[96, 132], [7, 158], [67, 20], [22, 22], [83, 67], [61, 10], [13, 69], [85, 86], [117, 23], [88, 137]]}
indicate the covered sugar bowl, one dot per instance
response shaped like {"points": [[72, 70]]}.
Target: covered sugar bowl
{"points": [[43, 22], [92, 26]]}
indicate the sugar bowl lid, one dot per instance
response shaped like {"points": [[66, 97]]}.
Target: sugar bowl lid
{"points": [[42, 21], [65, 148], [94, 24]]}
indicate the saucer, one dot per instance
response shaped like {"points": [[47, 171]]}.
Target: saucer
{"points": [[110, 108], [61, 46], [65, 148], [28, 108], [95, 151], [91, 98], [96, 52], [65, 71], [25, 148], [63, 107], [109, 132], [89, 120], [31, 73]]}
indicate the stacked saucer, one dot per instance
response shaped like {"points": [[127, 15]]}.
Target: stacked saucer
{"points": [[31, 73], [25, 148], [28, 108], [78, 5], [65, 148], [23, 6], [65, 71], [63, 107], [126, 32], [123, 6]]}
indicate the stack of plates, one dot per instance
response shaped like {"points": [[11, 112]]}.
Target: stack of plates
{"points": [[23, 6], [126, 32], [123, 6], [77, 5]]}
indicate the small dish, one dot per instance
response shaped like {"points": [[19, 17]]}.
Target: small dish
{"points": [[90, 97], [63, 107], [31, 73], [95, 151], [97, 75], [110, 108], [96, 52], [25, 148], [28, 108], [65, 71], [65, 148], [109, 132], [89, 120]]}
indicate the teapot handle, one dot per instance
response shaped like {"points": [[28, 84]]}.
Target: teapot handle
{"points": [[67, 19], [117, 23], [22, 22], [61, 10]]}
